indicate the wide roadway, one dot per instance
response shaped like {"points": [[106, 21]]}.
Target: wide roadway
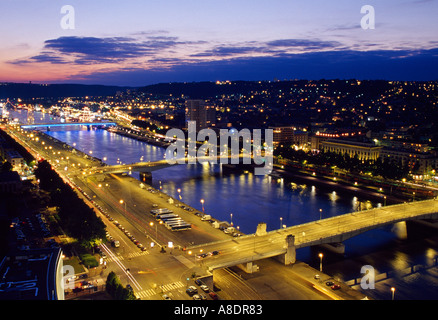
{"points": [[152, 273]]}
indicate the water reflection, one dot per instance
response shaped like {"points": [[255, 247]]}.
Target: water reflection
{"points": [[253, 199]]}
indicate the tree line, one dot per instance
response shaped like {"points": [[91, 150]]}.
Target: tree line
{"points": [[386, 168], [76, 218]]}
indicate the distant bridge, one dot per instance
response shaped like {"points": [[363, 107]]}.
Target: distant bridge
{"points": [[63, 124], [283, 242], [148, 167]]}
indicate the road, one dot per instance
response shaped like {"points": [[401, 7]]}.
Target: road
{"points": [[331, 230], [152, 273]]}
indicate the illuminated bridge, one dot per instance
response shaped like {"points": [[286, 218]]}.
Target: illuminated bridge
{"points": [[50, 125], [283, 243], [148, 167]]}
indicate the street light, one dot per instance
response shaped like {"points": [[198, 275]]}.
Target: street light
{"points": [[393, 292], [179, 194], [202, 202], [281, 222], [123, 202], [320, 262], [320, 214], [231, 215]]}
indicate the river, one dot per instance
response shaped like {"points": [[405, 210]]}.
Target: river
{"points": [[246, 200]]}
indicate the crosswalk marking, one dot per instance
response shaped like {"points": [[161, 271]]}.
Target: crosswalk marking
{"points": [[137, 254], [110, 259], [128, 256], [161, 289], [145, 293], [172, 286]]}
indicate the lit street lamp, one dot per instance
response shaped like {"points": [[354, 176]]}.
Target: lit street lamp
{"points": [[320, 262], [393, 292], [202, 202], [123, 202]]}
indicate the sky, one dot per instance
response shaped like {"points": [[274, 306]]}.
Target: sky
{"points": [[141, 42]]}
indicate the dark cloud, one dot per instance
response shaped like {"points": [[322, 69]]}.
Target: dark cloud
{"points": [[93, 50], [275, 47], [304, 44], [226, 51]]}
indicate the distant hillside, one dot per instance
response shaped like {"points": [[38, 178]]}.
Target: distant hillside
{"points": [[205, 90], [28, 90], [200, 90]]}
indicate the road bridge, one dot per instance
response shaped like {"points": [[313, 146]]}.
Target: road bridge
{"points": [[283, 243], [148, 167], [63, 124]]}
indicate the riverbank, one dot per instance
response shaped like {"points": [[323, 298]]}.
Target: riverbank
{"points": [[339, 185], [140, 137]]}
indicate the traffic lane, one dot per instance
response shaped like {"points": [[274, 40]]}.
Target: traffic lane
{"points": [[275, 281], [144, 201], [233, 288]]}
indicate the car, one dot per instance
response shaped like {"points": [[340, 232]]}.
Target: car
{"points": [[336, 287], [197, 297], [201, 255], [205, 288], [203, 297], [329, 283], [166, 297], [199, 282], [214, 253], [316, 276], [191, 290], [213, 295]]}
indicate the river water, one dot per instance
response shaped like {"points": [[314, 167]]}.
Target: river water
{"points": [[246, 200]]}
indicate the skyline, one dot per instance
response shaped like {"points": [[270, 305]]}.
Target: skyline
{"points": [[137, 43]]}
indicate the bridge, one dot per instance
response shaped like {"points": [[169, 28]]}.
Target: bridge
{"points": [[148, 167], [283, 243], [49, 125]]}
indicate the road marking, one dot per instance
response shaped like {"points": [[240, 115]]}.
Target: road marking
{"points": [[164, 288], [145, 293], [121, 266], [172, 286], [137, 254], [184, 261]]}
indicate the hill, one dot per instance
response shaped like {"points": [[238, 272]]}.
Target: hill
{"points": [[29, 90]]}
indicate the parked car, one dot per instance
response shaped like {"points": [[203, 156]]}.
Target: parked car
{"points": [[205, 288], [191, 290], [213, 295]]}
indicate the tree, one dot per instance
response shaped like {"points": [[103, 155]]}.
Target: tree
{"points": [[6, 167]]}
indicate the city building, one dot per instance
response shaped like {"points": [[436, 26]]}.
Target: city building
{"points": [[15, 159], [199, 111], [423, 162], [315, 141], [289, 136], [10, 182], [364, 151], [34, 274], [282, 135], [300, 138]]}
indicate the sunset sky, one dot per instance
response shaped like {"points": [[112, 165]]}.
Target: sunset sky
{"points": [[140, 42]]}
